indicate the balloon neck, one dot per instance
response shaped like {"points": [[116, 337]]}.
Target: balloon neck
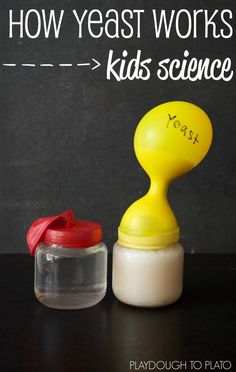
{"points": [[158, 189]]}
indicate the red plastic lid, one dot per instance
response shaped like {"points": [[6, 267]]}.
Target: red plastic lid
{"points": [[64, 230]]}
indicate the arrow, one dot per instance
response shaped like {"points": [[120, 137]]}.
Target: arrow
{"points": [[96, 65]]}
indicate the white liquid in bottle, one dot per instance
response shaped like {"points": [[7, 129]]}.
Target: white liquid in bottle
{"points": [[148, 277]]}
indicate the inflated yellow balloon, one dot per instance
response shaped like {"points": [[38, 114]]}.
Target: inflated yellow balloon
{"points": [[169, 141]]}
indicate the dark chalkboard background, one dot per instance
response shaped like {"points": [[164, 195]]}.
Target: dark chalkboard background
{"points": [[66, 134]]}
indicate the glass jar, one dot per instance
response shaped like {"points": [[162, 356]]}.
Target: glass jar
{"points": [[70, 261], [69, 278], [148, 277]]}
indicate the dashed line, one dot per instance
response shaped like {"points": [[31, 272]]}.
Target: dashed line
{"points": [[46, 65], [93, 66], [28, 64], [83, 64]]}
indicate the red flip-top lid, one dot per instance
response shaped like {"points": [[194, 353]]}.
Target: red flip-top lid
{"points": [[64, 230]]}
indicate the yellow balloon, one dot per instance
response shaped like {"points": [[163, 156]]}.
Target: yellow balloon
{"points": [[169, 141]]}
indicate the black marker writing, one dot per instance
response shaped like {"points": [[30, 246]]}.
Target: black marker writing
{"points": [[184, 129]]}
